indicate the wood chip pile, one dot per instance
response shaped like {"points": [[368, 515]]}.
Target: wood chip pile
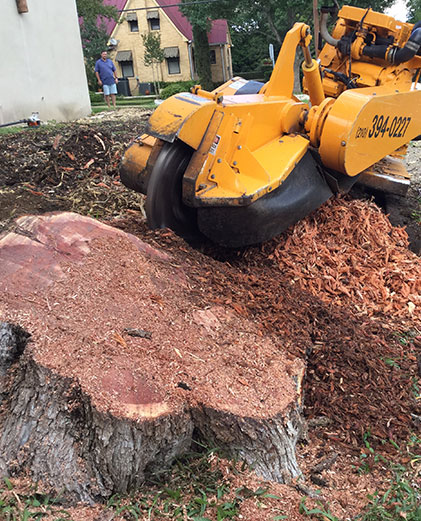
{"points": [[349, 254]]}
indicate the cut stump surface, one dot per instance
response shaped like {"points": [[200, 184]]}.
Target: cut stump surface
{"points": [[122, 364]]}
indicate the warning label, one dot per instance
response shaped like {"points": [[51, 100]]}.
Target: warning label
{"points": [[214, 146]]}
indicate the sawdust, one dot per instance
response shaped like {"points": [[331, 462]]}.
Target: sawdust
{"points": [[348, 254], [227, 366]]}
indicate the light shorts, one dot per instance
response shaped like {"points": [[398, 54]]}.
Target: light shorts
{"points": [[109, 89]]}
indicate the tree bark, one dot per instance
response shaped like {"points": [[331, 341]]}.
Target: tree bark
{"points": [[297, 71], [202, 57], [13, 340], [267, 445], [272, 25], [53, 430]]}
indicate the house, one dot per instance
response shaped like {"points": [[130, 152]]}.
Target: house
{"points": [[43, 68], [163, 17]]}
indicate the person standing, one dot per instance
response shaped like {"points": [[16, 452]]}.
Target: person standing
{"points": [[105, 72]]}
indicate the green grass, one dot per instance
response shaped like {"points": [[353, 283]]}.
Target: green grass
{"points": [[416, 214], [198, 488], [127, 102], [195, 488], [401, 500], [13, 130], [50, 125], [16, 506]]}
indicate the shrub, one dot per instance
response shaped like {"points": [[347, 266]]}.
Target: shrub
{"points": [[96, 97], [175, 88]]}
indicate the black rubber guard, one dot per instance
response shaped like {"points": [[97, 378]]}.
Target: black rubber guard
{"points": [[304, 190]]}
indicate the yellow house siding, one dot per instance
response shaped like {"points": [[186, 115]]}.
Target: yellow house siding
{"points": [[223, 64], [170, 37], [132, 41]]}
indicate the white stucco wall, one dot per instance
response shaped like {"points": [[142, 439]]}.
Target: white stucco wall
{"points": [[42, 66]]}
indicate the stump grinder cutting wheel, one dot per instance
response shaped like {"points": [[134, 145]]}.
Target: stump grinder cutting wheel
{"points": [[242, 163]]}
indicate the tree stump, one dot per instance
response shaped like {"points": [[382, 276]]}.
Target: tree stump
{"points": [[123, 363]]}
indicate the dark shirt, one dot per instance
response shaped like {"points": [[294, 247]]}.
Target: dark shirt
{"points": [[105, 69]]}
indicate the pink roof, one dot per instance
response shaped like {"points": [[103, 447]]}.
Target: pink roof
{"points": [[119, 5], [217, 34]]}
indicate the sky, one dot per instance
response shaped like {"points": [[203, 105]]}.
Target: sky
{"points": [[398, 10]]}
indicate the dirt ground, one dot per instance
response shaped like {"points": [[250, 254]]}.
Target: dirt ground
{"points": [[360, 333]]}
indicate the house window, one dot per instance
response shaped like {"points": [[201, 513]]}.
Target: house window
{"points": [[154, 24], [132, 21], [172, 55], [134, 27], [127, 69], [212, 56], [173, 65], [125, 59], [153, 19]]}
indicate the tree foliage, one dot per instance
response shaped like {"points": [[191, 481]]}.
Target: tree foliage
{"points": [[200, 16], [414, 11], [90, 10], [254, 24], [92, 18], [153, 55], [153, 52]]}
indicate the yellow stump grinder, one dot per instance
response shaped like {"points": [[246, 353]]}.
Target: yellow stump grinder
{"points": [[242, 163]]}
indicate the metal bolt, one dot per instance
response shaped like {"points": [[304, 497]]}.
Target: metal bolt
{"points": [[239, 147], [235, 162], [343, 143], [213, 176], [219, 160], [201, 187], [269, 189]]}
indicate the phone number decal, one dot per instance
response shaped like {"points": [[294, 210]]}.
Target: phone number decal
{"points": [[380, 126]]}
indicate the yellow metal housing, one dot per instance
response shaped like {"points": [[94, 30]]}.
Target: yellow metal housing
{"points": [[365, 125]]}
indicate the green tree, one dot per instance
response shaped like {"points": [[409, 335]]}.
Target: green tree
{"points": [[414, 11], [92, 16], [153, 55], [199, 16], [256, 23]]}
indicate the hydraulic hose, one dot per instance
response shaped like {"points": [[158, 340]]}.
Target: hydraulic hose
{"points": [[408, 51], [396, 55], [375, 51], [323, 29]]}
